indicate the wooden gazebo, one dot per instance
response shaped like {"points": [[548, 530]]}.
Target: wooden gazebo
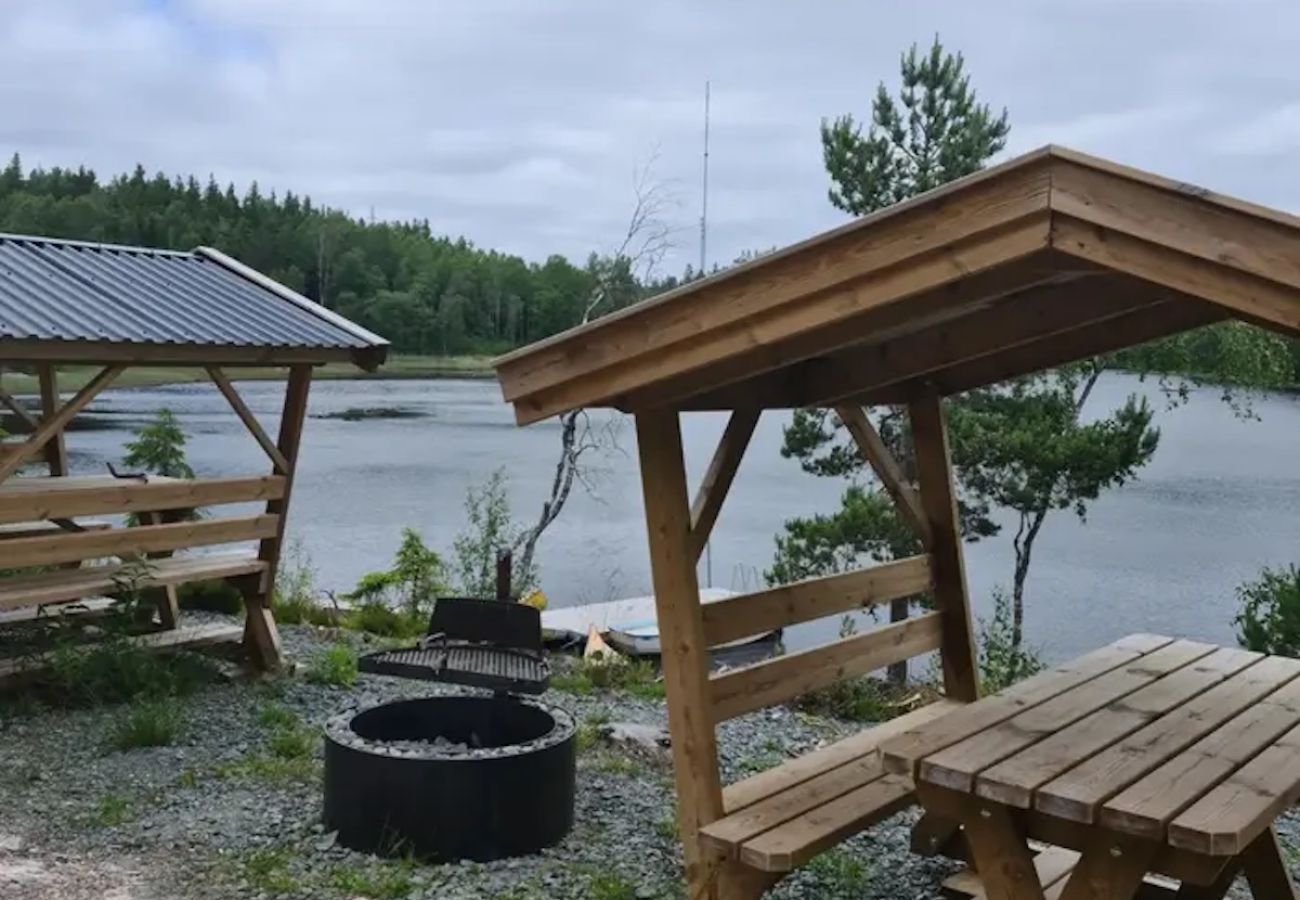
{"points": [[66, 303], [1049, 258]]}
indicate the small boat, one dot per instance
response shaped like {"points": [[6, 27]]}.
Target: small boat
{"points": [[629, 625]]}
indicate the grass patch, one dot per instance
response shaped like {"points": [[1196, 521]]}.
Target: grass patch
{"points": [[271, 769], [667, 827], [860, 700], [115, 671], [273, 715], [188, 778], [390, 881], [610, 886], [377, 618], [633, 676], [112, 810], [841, 872], [613, 763], [292, 743], [268, 870], [148, 723], [337, 666]]}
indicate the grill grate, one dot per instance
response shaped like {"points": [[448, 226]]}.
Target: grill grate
{"points": [[474, 665]]}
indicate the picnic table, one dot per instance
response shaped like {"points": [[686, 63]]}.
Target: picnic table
{"points": [[1150, 755]]}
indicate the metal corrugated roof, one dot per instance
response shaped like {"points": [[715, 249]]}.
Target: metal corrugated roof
{"points": [[57, 290]]}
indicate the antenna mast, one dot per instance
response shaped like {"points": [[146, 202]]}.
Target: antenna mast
{"points": [[704, 244]]}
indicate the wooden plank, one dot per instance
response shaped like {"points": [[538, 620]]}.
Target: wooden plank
{"points": [[1228, 818], [187, 636], [887, 469], [721, 472], [904, 753], [939, 503], [75, 584], [1000, 853], [1146, 807], [802, 601], [1014, 780], [19, 410], [783, 678], [956, 766], [81, 353], [54, 424], [56, 450], [880, 241], [684, 655], [729, 833], [1233, 288], [74, 547], [772, 328], [12, 530], [250, 421], [1130, 329], [795, 842], [28, 499], [796, 771], [1079, 793], [1050, 866]]}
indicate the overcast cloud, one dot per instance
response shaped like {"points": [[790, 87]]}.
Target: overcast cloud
{"points": [[519, 123]]}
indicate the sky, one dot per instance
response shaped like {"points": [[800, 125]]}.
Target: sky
{"points": [[523, 124]]}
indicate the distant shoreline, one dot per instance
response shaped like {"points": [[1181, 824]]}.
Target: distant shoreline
{"points": [[398, 368]]}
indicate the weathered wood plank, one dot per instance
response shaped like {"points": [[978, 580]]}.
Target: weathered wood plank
{"points": [[939, 504], [75, 584], [1228, 818], [1014, 780], [77, 546], [796, 771], [802, 601], [783, 678], [1147, 807], [1079, 793], [904, 753], [956, 766], [684, 655], [33, 499], [721, 472]]}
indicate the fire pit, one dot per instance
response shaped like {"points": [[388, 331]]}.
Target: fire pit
{"points": [[471, 776], [454, 777]]}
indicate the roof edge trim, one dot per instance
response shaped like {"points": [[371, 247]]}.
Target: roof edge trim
{"points": [[90, 245]]}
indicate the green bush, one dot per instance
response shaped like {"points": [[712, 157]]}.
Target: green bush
{"points": [[1001, 662], [857, 700], [210, 596], [337, 666], [150, 723], [375, 617], [1269, 620], [294, 599], [634, 676], [115, 670]]}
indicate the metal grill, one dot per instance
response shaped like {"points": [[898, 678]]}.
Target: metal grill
{"points": [[478, 643]]}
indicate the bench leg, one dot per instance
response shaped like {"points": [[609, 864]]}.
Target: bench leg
{"points": [[169, 608], [936, 835], [740, 882], [261, 637], [1002, 857], [1215, 891], [1267, 874], [1110, 867]]}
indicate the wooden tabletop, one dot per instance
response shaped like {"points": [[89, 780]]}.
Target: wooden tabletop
{"points": [[1174, 740]]}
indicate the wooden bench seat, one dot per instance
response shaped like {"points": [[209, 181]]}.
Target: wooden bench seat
{"points": [[779, 819], [66, 585]]}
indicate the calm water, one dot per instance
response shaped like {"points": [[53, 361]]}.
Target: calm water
{"points": [[1220, 500]]}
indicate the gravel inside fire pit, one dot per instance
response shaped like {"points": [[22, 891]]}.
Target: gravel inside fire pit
{"points": [[232, 808]]}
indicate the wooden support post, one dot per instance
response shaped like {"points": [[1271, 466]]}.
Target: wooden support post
{"points": [[250, 421], [52, 425], [681, 633], [56, 451], [717, 480], [891, 475], [261, 638], [939, 501]]}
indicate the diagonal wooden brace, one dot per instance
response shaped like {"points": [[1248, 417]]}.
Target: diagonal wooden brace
{"points": [[887, 469]]}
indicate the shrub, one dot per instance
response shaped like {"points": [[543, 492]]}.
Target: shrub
{"points": [[634, 676], [415, 578], [856, 699], [1002, 663], [210, 596], [337, 666], [841, 872], [294, 600], [115, 670], [1269, 620], [376, 618], [151, 723]]}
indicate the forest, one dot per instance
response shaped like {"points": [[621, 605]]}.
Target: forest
{"points": [[427, 293]]}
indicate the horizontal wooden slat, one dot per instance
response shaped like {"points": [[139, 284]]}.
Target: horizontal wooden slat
{"points": [[187, 636], [76, 584], [23, 499], [789, 604], [40, 551], [12, 530], [800, 769], [786, 677]]}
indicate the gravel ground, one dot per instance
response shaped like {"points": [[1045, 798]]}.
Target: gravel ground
{"points": [[217, 815]]}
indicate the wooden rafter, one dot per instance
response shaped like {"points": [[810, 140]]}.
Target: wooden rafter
{"points": [[717, 479], [250, 421], [887, 469], [53, 425]]}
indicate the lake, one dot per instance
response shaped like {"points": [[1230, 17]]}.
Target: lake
{"points": [[1164, 553]]}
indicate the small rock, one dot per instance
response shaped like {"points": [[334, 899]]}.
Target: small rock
{"points": [[11, 843], [327, 842]]}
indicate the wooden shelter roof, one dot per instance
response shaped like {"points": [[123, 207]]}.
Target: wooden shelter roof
{"points": [[1048, 258]]}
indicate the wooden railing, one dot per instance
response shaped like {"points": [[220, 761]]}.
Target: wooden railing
{"points": [[79, 546], [37, 499], [758, 613], [783, 678]]}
